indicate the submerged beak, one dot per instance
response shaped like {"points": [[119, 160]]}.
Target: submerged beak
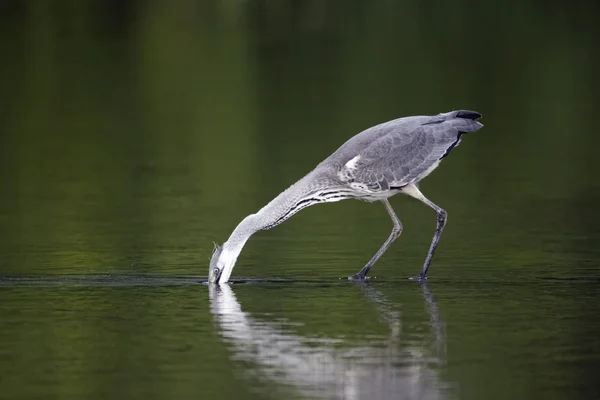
{"points": [[215, 275]]}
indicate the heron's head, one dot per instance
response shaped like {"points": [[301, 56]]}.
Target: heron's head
{"points": [[215, 270]]}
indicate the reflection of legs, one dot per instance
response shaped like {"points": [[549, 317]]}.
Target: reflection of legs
{"points": [[436, 323], [442, 216], [386, 309], [396, 231]]}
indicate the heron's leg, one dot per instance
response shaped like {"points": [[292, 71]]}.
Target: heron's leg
{"points": [[396, 231], [442, 217]]}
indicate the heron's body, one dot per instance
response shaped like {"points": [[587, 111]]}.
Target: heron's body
{"points": [[376, 164]]}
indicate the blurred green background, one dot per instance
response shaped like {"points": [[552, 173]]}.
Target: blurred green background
{"points": [[133, 134], [139, 132]]}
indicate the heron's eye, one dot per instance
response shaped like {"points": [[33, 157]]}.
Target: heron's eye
{"points": [[216, 271]]}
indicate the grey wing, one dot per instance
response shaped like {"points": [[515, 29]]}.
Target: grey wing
{"points": [[404, 156]]}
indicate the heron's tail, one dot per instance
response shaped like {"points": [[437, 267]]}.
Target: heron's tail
{"points": [[465, 120], [466, 114]]}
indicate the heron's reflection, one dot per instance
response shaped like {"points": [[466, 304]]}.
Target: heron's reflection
{"points": [[325, 369]]}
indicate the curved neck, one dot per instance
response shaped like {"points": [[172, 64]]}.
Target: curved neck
{"points": [[275, 212], [314, 188], [233, 246]]}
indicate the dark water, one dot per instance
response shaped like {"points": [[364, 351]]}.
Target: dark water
{"points": [[133, 135]]}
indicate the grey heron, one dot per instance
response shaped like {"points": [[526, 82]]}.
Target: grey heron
{"points": [[377, 163]]}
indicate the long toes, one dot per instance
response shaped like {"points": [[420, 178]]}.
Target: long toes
{"points": [[418, 278]]}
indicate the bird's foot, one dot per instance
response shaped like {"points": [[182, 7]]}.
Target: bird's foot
{"points": [[357, 277], [419, 278]]}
